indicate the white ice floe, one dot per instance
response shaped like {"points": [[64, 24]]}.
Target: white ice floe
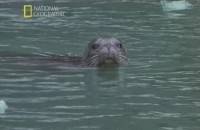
{"points": [[175, 5], [3, 106]]}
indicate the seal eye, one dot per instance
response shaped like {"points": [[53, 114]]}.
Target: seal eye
{"points": [[119, 45], [95, 46]]}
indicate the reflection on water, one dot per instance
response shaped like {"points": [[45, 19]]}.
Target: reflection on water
{"points": [[159, 89]]}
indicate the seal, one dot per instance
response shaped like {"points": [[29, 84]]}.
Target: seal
{"points": [[105, 51], [99, 52]]}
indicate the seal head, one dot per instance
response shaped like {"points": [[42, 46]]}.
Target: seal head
{"points": [[105, 51]]}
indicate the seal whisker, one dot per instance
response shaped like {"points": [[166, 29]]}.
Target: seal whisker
{"points": [[123, 56], [93, 57], [122, 59], [93, 62]]}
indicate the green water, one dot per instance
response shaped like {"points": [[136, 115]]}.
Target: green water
{"points": [[158, 90]]}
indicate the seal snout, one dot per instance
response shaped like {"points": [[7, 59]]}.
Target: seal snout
{"points": [[108, 51], [108, 54]]}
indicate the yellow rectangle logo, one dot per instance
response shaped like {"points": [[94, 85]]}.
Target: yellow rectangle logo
{"points": [[28, 11]]}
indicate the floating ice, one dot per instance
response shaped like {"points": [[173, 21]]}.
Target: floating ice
{"points": [[175, 5], [3, 106]]}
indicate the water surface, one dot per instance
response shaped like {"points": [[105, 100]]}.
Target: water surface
{"points": [[158, 90]]}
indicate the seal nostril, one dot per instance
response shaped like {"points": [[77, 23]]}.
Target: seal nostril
{"points": [[95, 46]]}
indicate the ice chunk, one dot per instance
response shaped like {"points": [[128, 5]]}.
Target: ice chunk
{"points": [[175, 5], [3, 106]]}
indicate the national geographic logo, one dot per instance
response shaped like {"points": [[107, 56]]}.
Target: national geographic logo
{"points": [[30, 11]]}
